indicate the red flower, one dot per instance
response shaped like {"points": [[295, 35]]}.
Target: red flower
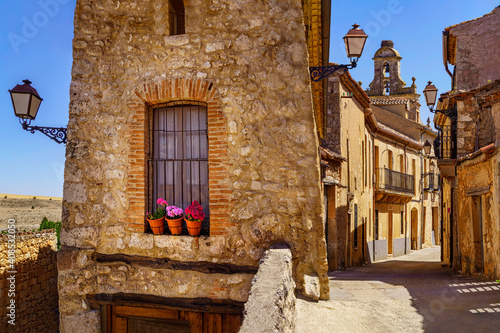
{"points": [[195, 211]]}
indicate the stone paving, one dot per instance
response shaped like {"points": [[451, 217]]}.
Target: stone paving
{"points": [[411, 293]]}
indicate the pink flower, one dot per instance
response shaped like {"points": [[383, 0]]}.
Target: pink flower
{"points": [[174, 212], [162, 201]]}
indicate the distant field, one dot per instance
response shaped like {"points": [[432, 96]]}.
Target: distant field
{"points": [[27, 211]]}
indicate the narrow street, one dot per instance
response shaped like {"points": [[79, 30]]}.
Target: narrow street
{"points": [[410, 293]]}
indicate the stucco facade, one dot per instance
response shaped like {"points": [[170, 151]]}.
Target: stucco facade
{"points": [[247, 63]]}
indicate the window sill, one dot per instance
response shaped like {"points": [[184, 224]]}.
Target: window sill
{"points": [[205, 230]]}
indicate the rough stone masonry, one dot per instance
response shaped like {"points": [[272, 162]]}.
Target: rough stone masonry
{"points": [[248, 61]]}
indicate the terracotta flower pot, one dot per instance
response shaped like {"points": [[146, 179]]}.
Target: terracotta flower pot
{"points": [[175, 225], [194, 227], [157, 225]]}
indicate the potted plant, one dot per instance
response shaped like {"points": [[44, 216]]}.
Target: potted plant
{"points": [[194, 217], [174, 219], [156, 220]]}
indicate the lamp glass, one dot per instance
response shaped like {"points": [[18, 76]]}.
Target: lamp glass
{"points": [[34, 106], [20, 102], [355, 42]]}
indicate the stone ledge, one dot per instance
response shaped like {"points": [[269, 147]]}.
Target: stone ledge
{"points": [[163, 263], [271, 304]]}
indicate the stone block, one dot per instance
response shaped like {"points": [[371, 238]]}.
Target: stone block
{"points": [[311, 287], [86, 322]]}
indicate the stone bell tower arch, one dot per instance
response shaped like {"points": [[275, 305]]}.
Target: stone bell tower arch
{"points": [[387, 72]]}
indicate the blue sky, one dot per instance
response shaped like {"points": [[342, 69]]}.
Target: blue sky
{"points": [[35, 44]]}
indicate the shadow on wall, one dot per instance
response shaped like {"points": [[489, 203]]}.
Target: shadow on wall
{"points": [[29, 297], [446, 303]]}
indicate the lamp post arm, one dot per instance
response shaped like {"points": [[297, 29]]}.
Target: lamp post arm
{"points": [[58, 134], [320, 72]]}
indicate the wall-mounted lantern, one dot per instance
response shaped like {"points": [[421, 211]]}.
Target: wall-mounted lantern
{"points": [[430, 93], [354, 44], [427, 147], [26, 102]]}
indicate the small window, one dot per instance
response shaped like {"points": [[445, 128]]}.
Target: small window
{"points": [[387, 88], [176, 17]]}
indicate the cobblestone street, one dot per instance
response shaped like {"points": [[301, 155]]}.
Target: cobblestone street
{"points": [[410, 293]]}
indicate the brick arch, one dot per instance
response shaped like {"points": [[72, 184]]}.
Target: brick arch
{"points": [[138, 138]]}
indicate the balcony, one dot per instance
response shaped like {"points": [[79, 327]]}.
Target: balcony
{"points": [[394, 186]]}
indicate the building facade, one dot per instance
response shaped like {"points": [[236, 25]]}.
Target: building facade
{"points": [[189, 100], [406, 199], [467, 117], [381, 191]]}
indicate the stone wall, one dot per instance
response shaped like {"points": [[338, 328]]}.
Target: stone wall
{"points": [[477, 48], [248, 62], [477, 213], [35, 280], [271, 304]]}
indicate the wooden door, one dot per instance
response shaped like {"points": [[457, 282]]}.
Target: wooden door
{"points": [[391, 232], [131, 319]]}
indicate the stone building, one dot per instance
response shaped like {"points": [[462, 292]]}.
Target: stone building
{"points": [[406, 202], [469, 124], [224, 88], [347, 172], [381, 192]]}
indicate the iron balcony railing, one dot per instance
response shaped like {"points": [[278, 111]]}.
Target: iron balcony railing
{"points": [[391, 180]]}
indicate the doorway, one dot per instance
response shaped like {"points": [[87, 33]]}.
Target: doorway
{"points": [[414, 229], [390, 236], [477, 231]]}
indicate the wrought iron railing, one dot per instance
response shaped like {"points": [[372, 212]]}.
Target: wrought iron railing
{"points": [[395, 181]]}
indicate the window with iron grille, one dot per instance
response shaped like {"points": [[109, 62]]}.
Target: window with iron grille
{"points": [[178, 170]]}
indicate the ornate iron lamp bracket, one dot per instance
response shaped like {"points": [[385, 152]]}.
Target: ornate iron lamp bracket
{"points": [[58, 134], [450, 113], [319, 73]]}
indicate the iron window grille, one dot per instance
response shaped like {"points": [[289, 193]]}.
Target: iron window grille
{"points": [[178, 164]]}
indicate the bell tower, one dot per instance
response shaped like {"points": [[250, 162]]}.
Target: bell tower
{"points": [[387, 73], [387, 89]]}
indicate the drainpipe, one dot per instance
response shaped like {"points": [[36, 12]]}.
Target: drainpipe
{"points": [[406, 204], [422, 217]]}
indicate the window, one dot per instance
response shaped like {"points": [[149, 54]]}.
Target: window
{"points": [[176, 17], [179, 162], [375, 226], [389, 160]]}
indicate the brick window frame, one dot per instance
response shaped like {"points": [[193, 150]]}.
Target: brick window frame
{"points": [[137, 134]]}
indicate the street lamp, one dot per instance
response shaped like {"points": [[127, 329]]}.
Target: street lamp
{"points": [[427, 147], [26, 102], [430, 93], [354, 42]]}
